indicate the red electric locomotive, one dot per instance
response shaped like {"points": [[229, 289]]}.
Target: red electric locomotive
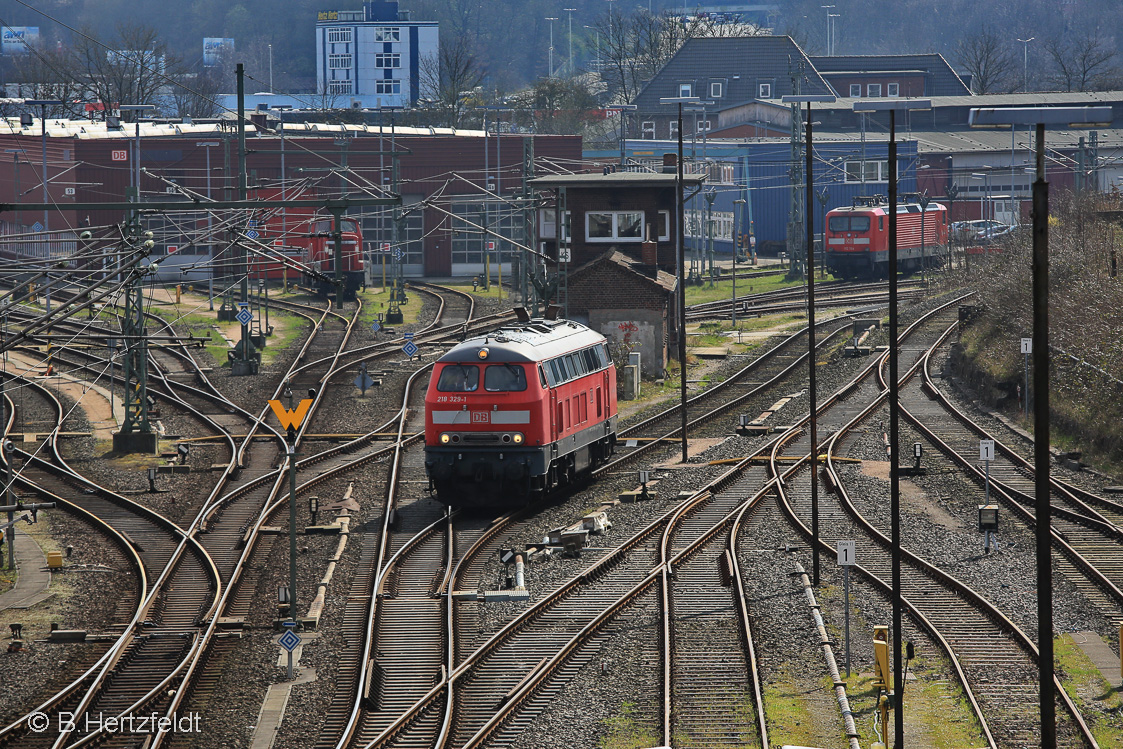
{"points": [[858, 237], [512, 414]]}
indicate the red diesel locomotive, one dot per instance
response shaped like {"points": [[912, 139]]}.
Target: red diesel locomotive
{"points": [[858, 237], [303, 235], [512, 414]]}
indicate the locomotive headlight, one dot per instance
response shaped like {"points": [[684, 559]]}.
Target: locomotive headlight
{"points": [[444, 438], [482, 353], [518, 438]]}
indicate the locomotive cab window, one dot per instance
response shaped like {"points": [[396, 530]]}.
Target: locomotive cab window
{"points": [[504, 378], [850, 223], [460, 378]]}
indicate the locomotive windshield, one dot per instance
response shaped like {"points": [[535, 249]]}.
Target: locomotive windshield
{"points": [[850, 223], [504, 378], [459, 378]]}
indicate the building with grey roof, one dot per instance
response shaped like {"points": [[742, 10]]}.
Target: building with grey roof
{"points": [[871, 76]]}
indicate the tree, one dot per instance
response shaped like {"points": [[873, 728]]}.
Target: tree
{"points": [[447, 77], [1082, 63], [196, 94], [133, 68], [49, 75], [987, 58], [556, 105]]}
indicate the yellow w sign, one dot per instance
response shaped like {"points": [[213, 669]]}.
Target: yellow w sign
{"points": [[291, 419]]}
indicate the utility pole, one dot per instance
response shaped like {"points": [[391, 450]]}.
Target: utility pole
{"points": [[135, 434], [796, 217], [245, 359], [570, 12], [528, 265]]}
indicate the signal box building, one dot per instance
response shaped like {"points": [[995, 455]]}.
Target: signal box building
{"points": [[616, 211]]}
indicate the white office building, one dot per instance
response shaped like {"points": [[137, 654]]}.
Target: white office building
{"points": [[372, 57]]}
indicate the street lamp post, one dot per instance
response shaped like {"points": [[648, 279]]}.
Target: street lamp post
{"points": [[893, 106], [1041, 117], [680, 247], [551, 19], [828, 8], [570, 12], [592, 28], [43, 104], [809, 149], [1025, 63]]}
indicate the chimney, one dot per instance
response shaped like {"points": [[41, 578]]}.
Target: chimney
{"points": [[649, 254], [670, 163]]}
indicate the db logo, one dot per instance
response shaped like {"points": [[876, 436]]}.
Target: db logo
{"points": [[481, 417], [119, 155]]}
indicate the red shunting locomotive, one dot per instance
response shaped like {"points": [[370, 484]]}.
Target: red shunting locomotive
{"points": [[858, 237], [512, 414]]}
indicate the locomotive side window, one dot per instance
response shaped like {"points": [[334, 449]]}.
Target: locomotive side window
{"points": [[459, 378], [542, 375], [504, 378]]}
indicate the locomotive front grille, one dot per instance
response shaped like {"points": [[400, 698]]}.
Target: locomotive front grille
{"points": [[481, 438]]}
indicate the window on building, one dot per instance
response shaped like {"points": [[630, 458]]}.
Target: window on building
{"points": [[674, 129], [874, 89], [388, 86], [469, 243], [855, 90], [663, 226], [647, 130], [339, 87], [686, 89], [874, 171], [703, 126], [614, 226], [715, 90], [338, 62], [765, 91], [387, 34], [339, 36], [388, 60], [893, 89]]}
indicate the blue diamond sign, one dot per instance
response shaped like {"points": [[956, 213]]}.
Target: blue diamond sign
{"points": [[375, 327], [37, 226], [244, 316], [410, 349], [397, 253], [290, 640], [252, 234]]}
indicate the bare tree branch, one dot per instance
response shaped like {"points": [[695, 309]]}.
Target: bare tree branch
{"points": [[985, 56], [1082, 63]]}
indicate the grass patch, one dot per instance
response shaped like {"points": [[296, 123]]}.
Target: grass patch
{"points": [[723, 289], [625, 732], [791, 715], [1098, 701]]}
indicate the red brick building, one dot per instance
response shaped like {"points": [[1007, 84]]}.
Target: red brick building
{"points": [[629, 302]]}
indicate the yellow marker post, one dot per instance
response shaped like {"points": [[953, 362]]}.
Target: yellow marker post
{"points": [[178, 292], [291, 421], [487, 270], [384, 271], [499, 270]]}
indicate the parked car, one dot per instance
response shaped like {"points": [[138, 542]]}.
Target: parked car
{"points": [[967, 231]]}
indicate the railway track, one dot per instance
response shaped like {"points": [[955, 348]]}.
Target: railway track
{"points": [[993, 657]]}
